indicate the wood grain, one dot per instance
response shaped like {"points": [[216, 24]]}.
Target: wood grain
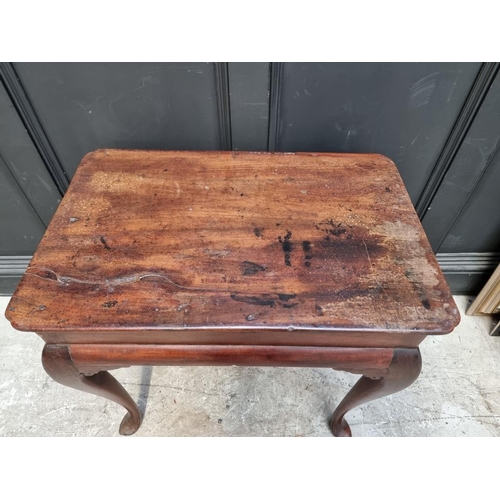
{"points": [[91, 359], [234, 336], [224, 242]]}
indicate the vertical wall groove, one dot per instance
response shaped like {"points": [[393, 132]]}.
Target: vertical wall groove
{"points": [[477, 180], [32, 124], [476, 96], [223, 105], [274, 106]]}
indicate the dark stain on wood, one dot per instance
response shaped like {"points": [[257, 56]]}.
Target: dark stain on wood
{"points": [[251, 268], [103, 241], [353, 249], [258, 231], [287, 247], [329, 227], [256, 301], [307, 247], [418, 288], [285, 297], [110, 304]]}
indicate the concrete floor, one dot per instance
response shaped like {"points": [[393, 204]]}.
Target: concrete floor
{"points": [[457, 394]]}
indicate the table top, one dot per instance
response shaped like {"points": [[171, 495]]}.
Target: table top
{"points": [[174, 240]]}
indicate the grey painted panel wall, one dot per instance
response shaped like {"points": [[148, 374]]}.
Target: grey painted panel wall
{"points": [[25, 166], [478, 227], [403, 110], [86, 106], [464, 189], [20, 228], [28, 196], [249, 91]]}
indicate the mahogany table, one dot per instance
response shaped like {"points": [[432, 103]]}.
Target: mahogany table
{"points": [[225, 258]]}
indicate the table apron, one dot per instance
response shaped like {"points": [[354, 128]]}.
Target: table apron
{"points": [[92, 358], [234, 337]]}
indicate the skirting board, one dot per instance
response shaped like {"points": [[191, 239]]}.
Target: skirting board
{"points": [[466, 273]]}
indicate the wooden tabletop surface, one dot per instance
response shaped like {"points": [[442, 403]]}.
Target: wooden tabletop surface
{"points": [[149, 240]]}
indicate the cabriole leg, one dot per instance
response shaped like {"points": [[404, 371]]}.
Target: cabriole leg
{"points": [[403, 371], [57, 362]]}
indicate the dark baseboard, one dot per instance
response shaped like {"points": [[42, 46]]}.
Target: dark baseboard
{"points": [[11, 270], [466, 273]]}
